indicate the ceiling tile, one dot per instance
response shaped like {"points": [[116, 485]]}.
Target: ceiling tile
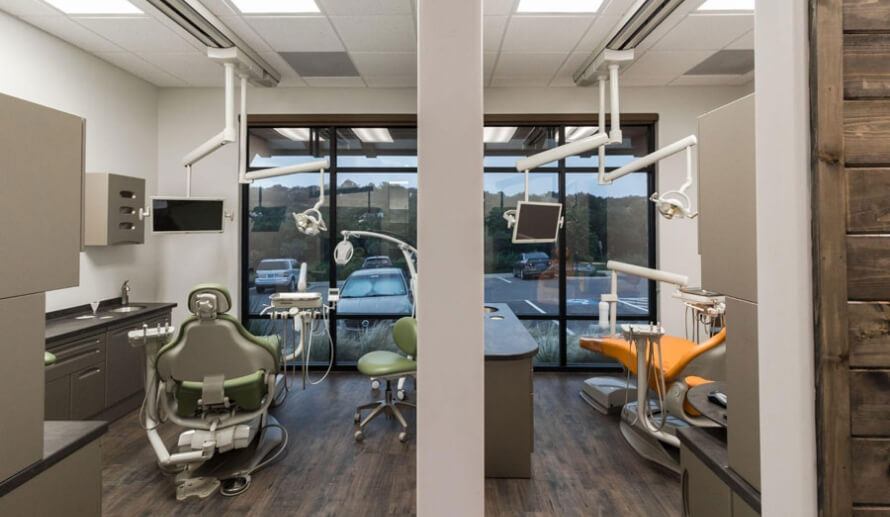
{"points": [[562, 82], [138, 67], [62, 27], [523, 82], [647, 80], [708, 80], [376, 33], [519, 65], [391, 81], [280, 66], [336, 82], [493, 32], [745, 41], [385, 63], [498, 7], [136, 34], [221, 8], [296, 33], [571, 65], [489, 60], [545, 33], [364, 7], [616, 7], [192, 67], [664, 63], [28, 8], [598, 32], [244, 31], [706, 32]]}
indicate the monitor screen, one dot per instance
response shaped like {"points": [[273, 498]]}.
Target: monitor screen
{"points": [[537, 222], [186, 215]]}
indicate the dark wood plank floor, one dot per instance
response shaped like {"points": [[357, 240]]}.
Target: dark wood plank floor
{"points": [[582, 465]]}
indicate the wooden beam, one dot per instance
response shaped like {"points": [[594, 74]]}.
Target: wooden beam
{"points": [[829, 208], [872, 474], [870, 403], [868, 267], [866, 66], [866, 132], [869, 335], [869, 204], [866, 15]]}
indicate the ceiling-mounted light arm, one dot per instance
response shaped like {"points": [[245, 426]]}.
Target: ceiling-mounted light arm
{"points": [[344, 250], [601, 116], [608, 313], [228, 134], [649, 159]]}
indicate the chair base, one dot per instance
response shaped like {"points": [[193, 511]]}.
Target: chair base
{"points": [[387, 406]]}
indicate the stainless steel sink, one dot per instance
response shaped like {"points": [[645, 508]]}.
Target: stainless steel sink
{"points": [[128, 308], [490, 309]]}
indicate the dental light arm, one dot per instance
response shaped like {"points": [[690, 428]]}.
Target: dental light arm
{"points": [[608, 313], [344, 250], [303, 284]]}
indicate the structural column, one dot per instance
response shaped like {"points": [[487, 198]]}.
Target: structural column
{"points": [[450, 413]]}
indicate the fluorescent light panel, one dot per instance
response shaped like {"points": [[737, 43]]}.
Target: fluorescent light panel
{"points": [[558, 6], [727, 5], [297, 134], [94, 6], [373, 135], [276, 6], [578, 132], [498, 135]]}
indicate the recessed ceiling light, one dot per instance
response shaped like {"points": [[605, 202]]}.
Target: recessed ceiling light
{"points": [[373, 135], [94, 6], [276, 6], [558, 6], [498, 135], [727, 5], [297, 134], [578, 132]]}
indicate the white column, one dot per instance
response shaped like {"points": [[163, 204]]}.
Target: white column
{"points": [[784, 261], [450, 424]]}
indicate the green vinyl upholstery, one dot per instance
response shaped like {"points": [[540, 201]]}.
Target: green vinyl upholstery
{"points": [[382, 363], [245, 392]]}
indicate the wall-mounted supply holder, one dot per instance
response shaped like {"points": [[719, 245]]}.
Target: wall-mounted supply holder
{"points": [[113, 210]]}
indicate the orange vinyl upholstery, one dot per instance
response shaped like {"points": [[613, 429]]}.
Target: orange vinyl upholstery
{"points": [[693, 381], [677, 352]]}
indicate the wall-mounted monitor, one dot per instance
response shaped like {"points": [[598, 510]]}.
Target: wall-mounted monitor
{"points": [[186, 215], [537, 222]]}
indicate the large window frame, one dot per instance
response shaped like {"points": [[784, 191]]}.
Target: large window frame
{"points": [[562, 318]]}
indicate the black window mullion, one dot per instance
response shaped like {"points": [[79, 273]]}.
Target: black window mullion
{"points": [[333, 240], [562, 247]]}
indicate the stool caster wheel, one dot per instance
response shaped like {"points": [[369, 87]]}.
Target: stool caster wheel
{"points": [[403, 437], [359, 436], [401, 395], [375, 384], [357, 417]]}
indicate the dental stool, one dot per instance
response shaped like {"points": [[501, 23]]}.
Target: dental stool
{"points": [[216, 380], [388, 367]]}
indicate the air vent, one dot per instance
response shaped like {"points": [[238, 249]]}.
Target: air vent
{"points": [[321, 64], [725, 62]]}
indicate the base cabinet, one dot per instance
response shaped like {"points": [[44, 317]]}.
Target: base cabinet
{"points": [[704, 494]]}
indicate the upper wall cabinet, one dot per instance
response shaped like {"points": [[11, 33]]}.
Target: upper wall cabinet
{"points": [[112, 210], [41, 197]]}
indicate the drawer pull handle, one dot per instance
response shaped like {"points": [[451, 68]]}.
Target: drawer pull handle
{"points": [[90, 373]]}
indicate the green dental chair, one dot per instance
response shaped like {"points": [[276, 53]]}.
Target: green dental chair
{"points": [[216, 381], [388, 367]]}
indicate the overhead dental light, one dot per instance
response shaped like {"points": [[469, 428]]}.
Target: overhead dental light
{"points": [[344, 252], [373, 135]]}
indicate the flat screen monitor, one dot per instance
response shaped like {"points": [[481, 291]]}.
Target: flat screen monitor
{"points": [[186, 215], [537, 222]]}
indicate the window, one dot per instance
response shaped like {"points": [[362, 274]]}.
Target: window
{"points": [[372, 186]]}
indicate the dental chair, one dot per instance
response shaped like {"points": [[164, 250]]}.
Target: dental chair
{"points": [[217, 381], [388, 367]]}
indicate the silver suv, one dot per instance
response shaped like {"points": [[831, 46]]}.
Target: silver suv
{"points": [[277, 274]]}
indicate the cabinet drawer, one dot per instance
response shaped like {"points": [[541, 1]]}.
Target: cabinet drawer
{"points": [[88, 391], [74, 356]]}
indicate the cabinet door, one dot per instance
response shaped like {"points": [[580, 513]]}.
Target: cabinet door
{"points": [[88, 392], [41, 197], [58, 398], [704, 494], [125, 365]]}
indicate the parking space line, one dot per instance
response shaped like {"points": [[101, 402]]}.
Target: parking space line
{"points": [[535, 307], [569, 331], [634, 306], [502, 279]]}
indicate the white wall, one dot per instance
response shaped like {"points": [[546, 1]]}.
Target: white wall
{"points": [[188, 116], [121, 114], [784, 261]]}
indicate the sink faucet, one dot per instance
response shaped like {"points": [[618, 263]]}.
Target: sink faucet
{"points": [[125, 293]]}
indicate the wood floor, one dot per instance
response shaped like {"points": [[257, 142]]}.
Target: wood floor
{"points": [[581, 465]]}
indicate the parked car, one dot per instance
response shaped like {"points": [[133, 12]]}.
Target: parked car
{"points": [[583, 268], [274, 274], [532, 264], [376, 262], [383, 291]]}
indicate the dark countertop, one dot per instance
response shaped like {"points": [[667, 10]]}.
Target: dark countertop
{"points": [[506, 338], [61, 324], [60, 440], [698, 399], [709, 446]]}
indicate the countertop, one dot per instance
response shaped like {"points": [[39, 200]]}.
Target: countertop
{"points": [[60, 440], [506, 338], [61, 324], [709, 446]]}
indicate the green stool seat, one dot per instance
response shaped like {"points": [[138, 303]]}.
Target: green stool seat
{"points": [[382, 363], [246, 392]]}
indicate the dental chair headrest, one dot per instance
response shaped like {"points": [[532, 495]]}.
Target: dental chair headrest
{"points": [[209, 298]]}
